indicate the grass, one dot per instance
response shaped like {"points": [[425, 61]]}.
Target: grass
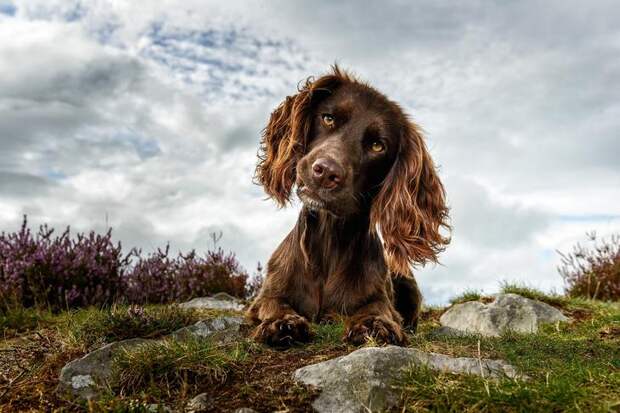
{"points": [[529, 292], [18, 320], [573, 366], [467, 295], [170, 365], [95, 327]]}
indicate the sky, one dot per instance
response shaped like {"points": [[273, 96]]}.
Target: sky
{"points": [[146, 117]]}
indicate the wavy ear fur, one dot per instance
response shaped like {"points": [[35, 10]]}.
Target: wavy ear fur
{"points": [[410, 208], [284, 138]]}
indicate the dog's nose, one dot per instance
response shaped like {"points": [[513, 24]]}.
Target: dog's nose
{"points": [[327, 173]]}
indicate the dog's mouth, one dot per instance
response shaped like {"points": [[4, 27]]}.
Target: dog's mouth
{"points": [[310, 199]]}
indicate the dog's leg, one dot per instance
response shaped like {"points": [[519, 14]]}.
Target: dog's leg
{"points": [[377, 320], [278, 323], [407, 300]]}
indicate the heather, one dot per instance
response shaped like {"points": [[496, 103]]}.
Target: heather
{"points": [[593, 271], [52, 271]]}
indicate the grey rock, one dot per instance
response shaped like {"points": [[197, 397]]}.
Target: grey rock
{"points": [[245, 410], [362, 380], [158, 408], [445, 331], [224, 297], [86, 377], [507, 312], [198, 404], [225, 328], [220, 301]]}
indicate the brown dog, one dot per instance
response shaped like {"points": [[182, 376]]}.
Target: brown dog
{"points": [[359, 164]]}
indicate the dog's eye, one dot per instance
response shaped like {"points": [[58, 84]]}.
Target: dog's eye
{"points": [[328, 120], [377, 146]]}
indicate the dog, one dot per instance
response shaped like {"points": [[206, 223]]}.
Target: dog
{"points": [[373, 205]]}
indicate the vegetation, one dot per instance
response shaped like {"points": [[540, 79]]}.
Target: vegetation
{"points": [[594, 271], [467, 295], [59, 272], [92, 327], [571, 366], [170, 364]]}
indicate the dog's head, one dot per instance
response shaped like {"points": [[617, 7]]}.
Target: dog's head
{"points": [[350, 150]]}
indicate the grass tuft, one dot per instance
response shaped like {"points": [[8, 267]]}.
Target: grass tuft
{"points": [[19, 320], [467, 295], [95, 327], [327, 334], [174, 364], [532, 293]]}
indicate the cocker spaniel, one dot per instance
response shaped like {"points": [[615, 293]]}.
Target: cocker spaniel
{"points": [[373, 205]]}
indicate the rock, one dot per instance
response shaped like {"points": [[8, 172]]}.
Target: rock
{"points": [[205, 328], [445, 331], [198, 404], [158, 408], [87, 376], [507, 312], [220, 301], [362, 380], [245, 410]]}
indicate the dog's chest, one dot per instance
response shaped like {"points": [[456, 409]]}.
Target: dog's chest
{"points": [[328, 296]]}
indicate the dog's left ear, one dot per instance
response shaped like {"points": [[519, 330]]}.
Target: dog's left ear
{"points": [[410, 208]]}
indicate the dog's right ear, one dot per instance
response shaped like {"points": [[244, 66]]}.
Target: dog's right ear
{"points": [[285, 137], [282, 145]]}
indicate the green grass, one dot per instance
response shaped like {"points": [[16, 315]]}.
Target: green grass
{"points": [[94, 327], [19, 320], [467, 295], [529, 292], [174, 364], [573, 367], [328, 334]]}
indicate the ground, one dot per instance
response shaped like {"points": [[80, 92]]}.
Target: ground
{"points": [[573, 366]]}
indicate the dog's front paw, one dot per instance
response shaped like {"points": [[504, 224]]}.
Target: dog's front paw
{"points": [[379, 329], [283, 332]]}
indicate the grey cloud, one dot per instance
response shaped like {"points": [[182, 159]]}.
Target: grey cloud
{"points": [[517, 100], [478, 219], [23, 185]]}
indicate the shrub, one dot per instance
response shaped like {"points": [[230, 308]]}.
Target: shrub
{"points": [[254, 283], [58, 272], [160, 278], [593, 272]]}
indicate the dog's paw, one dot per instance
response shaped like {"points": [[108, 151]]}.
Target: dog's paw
{"points": [[283, 332], [379, 329]]}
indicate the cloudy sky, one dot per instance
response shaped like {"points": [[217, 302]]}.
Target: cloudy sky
{"points": [[146, 116]]}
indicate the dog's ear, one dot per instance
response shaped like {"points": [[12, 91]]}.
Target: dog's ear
{"points": [[410, 208], [284, 138], [282, 145]]}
